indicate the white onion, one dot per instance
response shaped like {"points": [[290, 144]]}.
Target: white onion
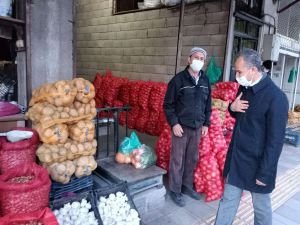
{"points": [[115, 210], [76, 213]]}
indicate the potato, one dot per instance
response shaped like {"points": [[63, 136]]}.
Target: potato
{"points": [[67, 109], [80, 148], [77, 104], [93, 112], [82, 131], [93, 103], [47, 158], [94, 143], [48, 132], [46, 118], [56, 115], [60, 109], [67, 145], [57, 134], [47, 111], [81, 111], [52, 148], [88, 146], [64, 115], [62, 151], [60, 169], [76, 131], [81, 124], [58, 101], [87, 109], [74, 149], [73, 113], [85, 90]]}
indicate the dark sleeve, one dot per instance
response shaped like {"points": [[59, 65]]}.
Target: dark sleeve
{"points": [[232, 113], [276, 123], [169, 103], [208, 107]]}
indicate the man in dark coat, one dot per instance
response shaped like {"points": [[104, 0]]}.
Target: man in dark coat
{"points": [[187, 106], [261, 112]]}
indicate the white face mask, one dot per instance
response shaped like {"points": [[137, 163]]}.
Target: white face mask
{"points": [[243, 81], [196, 65]]}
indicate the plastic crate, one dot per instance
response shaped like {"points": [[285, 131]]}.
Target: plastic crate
{"points": [[102, 179], [292, 136], [89, 196], [122, 187], [75, 185]]}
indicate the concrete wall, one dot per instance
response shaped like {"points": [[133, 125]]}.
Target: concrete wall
{"points": [[51, 32], [142, 45], [269, 8]]}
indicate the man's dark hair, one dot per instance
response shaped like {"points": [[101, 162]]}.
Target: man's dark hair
{"points": [[268, 64], [251, 58]]}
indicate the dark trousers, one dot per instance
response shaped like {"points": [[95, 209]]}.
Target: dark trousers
{"points": [[184, 158]]}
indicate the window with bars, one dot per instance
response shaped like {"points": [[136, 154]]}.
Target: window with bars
{"points": [[124, 6], [289, 20], [245, 36], [252, 7]]}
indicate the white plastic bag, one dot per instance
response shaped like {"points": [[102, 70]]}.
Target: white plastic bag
{"points": [[151, 3], [170, 2], [176, 2]]}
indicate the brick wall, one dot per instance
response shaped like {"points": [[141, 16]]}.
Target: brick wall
{"points": [[142, 45]]}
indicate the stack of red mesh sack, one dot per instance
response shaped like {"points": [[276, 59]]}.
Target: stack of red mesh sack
{"points": [[212, 148], [107, 89], [156, 119], [143, 102], [144, 97], [163, 148], [225, 91]]}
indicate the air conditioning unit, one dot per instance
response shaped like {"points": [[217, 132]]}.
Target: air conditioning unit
{"points": [[271, 47]]}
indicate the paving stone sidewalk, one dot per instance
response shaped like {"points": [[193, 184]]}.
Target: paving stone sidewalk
{"points": [[285, 201]]}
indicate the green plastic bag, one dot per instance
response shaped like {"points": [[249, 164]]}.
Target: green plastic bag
{"points": [[293, 75], [129, 143], [213, 72]]}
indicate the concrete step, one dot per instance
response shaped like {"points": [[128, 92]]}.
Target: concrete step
{"points": [[138, 180]]}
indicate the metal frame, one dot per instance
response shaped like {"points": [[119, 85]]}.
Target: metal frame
{"points": [[115, 112], [296, 85]]}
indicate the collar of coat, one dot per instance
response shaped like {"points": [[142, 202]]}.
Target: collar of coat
{"points": [[189, 76], [265, 81]]}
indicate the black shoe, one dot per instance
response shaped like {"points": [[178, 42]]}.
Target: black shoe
{"points": [[190, 192], [177, 198]]}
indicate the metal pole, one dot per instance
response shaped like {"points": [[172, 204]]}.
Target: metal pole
{"points": [[107, 130], [117, 141], [97, 132], [288, 6], [282, 72], [296, 85], [272, 69], [179, 37]]}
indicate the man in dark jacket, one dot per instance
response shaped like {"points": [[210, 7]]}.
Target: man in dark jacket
{"points": [[261, 112], [187, 106]]}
